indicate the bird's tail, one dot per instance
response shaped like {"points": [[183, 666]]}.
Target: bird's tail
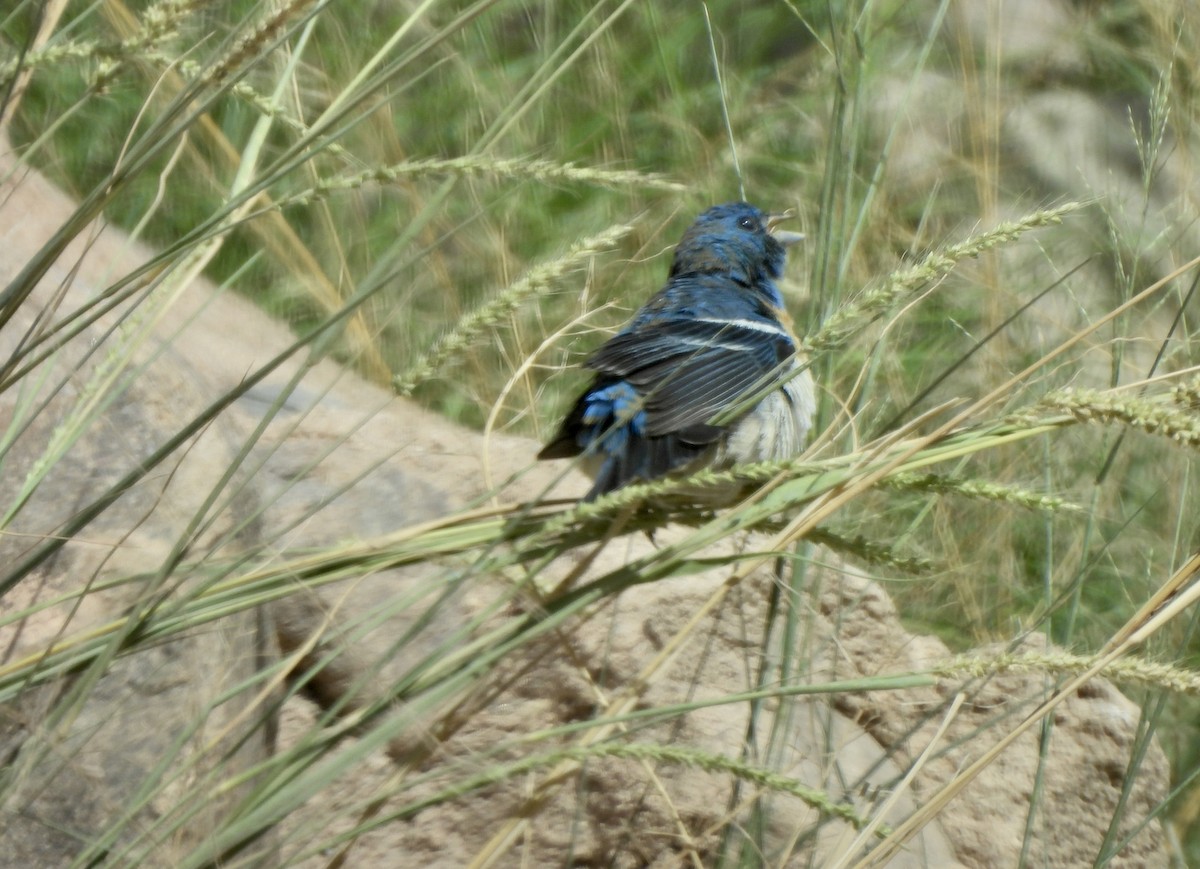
{"points": [[646, 458]]}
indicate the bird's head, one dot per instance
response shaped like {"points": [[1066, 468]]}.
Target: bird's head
{"points": [[735, 238]]}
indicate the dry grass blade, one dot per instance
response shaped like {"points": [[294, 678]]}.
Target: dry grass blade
{"points": [[51, 12], [487, 316], [910, 774]]}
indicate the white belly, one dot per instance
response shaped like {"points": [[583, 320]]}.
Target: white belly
{"points": [[777, 428]]}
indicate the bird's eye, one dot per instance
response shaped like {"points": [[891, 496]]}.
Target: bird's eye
{"points": [[748, 223]]}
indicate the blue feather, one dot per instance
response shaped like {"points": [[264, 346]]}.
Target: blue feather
{"points": [[715, 335]]}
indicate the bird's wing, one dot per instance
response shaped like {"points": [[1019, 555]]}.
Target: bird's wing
{"points": [[689, 370]]}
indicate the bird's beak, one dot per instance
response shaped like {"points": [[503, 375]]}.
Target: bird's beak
{"points": [[783, 236]]}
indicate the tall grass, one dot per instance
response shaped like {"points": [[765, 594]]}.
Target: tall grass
{"points": [[458, 200]]}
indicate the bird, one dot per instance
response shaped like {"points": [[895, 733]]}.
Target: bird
{"points": [[708, 373]]}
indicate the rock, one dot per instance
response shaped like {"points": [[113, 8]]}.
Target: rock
{"points": [[1085, 766], [79, 751]]}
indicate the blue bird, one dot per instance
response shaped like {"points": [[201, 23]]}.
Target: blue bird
{"points": [[704, 373]]}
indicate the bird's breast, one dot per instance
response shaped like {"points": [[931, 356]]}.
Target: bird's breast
{"points": [[777, 428]]}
